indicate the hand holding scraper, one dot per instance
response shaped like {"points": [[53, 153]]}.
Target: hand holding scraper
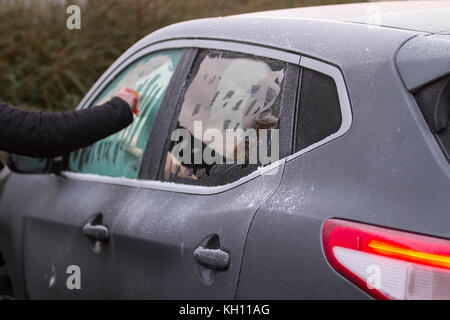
{"points": [[131, 97]]}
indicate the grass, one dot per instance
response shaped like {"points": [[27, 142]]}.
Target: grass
{"points": [[46, 66]]}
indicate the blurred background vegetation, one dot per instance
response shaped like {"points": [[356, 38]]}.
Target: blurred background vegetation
{"points": [[44, 65]]}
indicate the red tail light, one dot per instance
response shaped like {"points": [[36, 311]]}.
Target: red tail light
{"points": [[388, 264]]}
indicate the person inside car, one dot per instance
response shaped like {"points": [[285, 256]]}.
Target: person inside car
{"points": [[45, 134]]}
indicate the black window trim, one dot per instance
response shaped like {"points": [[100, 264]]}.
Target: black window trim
{"points": [[344, 102]]}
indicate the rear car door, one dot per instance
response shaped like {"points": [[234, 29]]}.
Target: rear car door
{"points": [[283, 255], [67, 220], [183, 237]]}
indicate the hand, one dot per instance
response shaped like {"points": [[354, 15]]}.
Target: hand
{"points": [[131, 97]]}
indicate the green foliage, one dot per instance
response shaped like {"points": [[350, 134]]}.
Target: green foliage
{"points": [[46, 66]]}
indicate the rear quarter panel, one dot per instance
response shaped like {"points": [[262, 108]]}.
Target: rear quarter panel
{"points": [[386, 170]]}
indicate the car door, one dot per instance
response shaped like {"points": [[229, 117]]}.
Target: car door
{"points": [[183, 237], [284, 257], [67, 219]]}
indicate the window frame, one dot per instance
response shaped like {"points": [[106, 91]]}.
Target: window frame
{"points": [[344, 103], [286, 120], [147, 178]]}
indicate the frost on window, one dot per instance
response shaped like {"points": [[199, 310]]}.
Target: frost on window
{"points": [[120, 155], [227, 91]]}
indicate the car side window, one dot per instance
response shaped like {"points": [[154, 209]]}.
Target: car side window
{"points": [[227, 94], [319, 112], [120, 155]]}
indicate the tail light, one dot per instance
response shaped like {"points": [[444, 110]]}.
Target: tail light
{"points": [[389, 264]]}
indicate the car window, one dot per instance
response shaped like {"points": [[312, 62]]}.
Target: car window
{"points": [[434, 102], [28, 164], [319, 112], [228, 118], [120, 155]]}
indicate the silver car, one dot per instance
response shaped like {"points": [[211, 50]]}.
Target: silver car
{"points": [[355, 206]]}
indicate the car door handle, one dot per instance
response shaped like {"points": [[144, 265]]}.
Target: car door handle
{"points": [[97, 232], [216, 259]]}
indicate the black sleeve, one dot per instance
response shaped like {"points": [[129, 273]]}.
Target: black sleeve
{"points": [[42, 134]]}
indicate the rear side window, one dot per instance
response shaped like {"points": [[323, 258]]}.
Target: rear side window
{"points": [[434, 102], [120, 155], [227, 94], [318, 112]]}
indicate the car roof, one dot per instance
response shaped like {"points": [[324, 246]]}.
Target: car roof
{"points": [[324, 33], [334, 33], [337, 42], [425, 16]]}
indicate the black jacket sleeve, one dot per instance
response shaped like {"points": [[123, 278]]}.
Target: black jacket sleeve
{"points": [[42, 134]]}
